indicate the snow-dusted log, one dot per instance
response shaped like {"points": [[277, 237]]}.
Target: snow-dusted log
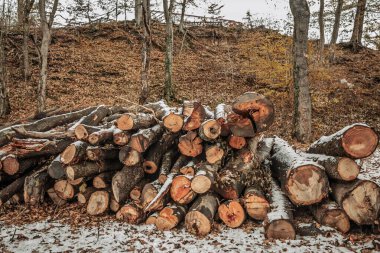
{"points": [[232, 213], [88, 169], [172, 120], [121, 137], [131, 121], [240, 125], [74, 153], [204, 179], [102, 136], [144, 138], [221, 112], [328, 213], [102, 153], [168, 160], [354, 141], [180, 190], [170, 216], [304, 181]]}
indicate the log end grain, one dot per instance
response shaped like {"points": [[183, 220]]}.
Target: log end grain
{"points": [[280, 229], [197, 223], [173, 122], [10, 165], [257, 207], [360, 141], [125, 122], [214, 154], [98, 203], [201, 184], [232, 213], [64, 189], [180, 190], [348, 169], [150, 167], [237, 142], [166, 219], [338, 219]]}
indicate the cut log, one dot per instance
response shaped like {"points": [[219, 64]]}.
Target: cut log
{"points": [[204, 179], [74, 153], [360, 199], [94, 118], [120, 137], [12, 166], [35, 186], [7, 192], [180, 190], [167, 163], [131, 213], [195, 118], [304, 181], [129, 156], [190, 144], [236, 142], [191, 167], [124, 181], [64, 189], [258, 107], [150, 192], [232, 213], [279, 221], [55, 198], [201, 214], [103, 180], [210, 130], [255, 203], [102, 153], [151, 220], [88, 169], [83, 197], [131, 121], [56, 169], [340, 168], [114, 205], [136, 192], [50, 135], [240, 126], [170, 217], [215, 153], [102, 136], [98, 202], [144, 138], [354, 141], [179, 163], [330, 214], [221, 112], [171, 119], [153, 157], [82, 132]]}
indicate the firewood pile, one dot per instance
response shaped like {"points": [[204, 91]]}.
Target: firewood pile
{"points": [[162, 165]]}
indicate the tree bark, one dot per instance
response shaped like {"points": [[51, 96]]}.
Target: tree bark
{"points": [[146, 51], [167, 163], [13, 166], [56, 169], [302, 99], [27, 8], [131, 121], [171, 118], [221, 113], [102, 153], [328, 213], [138, 12], [129, 157], [124, 181], [210, 130], [256, 203], [4, 98], [35, 186], [102, 136], [7, 192], [88, 169], [182, 20], [144, 138], [321, 23], [357, 32], [335, 32], [154, 195], [168, 13], [103, 180]]}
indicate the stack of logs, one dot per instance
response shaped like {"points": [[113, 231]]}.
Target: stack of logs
{"points": [[162, 165]]}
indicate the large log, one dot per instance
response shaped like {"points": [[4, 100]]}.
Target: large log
{"points": [[74, 153], [255, 202], [257, 107], [194, 119], [153, 157], [102, 153], [190, 144], [304, 181], [232, 213], [12, 165], [56, 168], [129, 156], [88, 169], [180, 190], [167, 163], [339, 168], [131, 213], [7, 192], [354, 141], [144, 138], [204, 179], [201, 214], [131, 121], [55, 198], [279, 221], [124, 181], [94, 118], [170, 217], [35, 186], [102, 136], [221, 112], [328, 213], [360, 199], [98, 202], [120, 137]]}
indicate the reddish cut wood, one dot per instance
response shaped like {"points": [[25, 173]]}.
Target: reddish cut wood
{"points": [[12, 165], [232, 213], [258, 107], [64, 189], [84, 196], [170, 217], [98, 202], [180, 190], [354, 141], [82, 132], [74, 153], [210, 130], [236, 142], [103, 180], [190, 144], [144, 138], [150, 193], [240, 125], [102, 136], [328, 213], [215, 153], [151, 220], [205, 178], [196, 117], [256, 203], [121, 137]]}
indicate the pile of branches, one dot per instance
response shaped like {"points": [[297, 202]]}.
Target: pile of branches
{"points": [[164, 165]]}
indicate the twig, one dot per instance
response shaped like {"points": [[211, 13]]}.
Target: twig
{"points": [[144, 107]]}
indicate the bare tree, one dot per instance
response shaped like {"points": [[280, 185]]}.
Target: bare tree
{"points": [[302, 99], [338, 13], [46, 26], [146, 49], [4, 99], [321, 23], [357, 32], [182, 20], [168, 12], [138, 12], [27, 8]]}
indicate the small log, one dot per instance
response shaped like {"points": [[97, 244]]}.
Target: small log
{"points": [[180, 190], [56, 169], [355, 141], [82, 132], [83, 197], [179, 163], [50, 135], [255, 203], [330, 214], [170, 118], [204, 179], [201, 214], [340, 168], [12, 165], [190, 168], [120, 137], [232, 213], [77, 182], [124, 181], [98, 202], [94, 118], [190, 144], [64, 189], [102, 136], [131, 213], [129, 156], [240, 126], [7, 192], [144, 138], [88, 169], [114, 205], [167, 163], [151, 220], [197, 116], [150, 193], [170, 217], [279, 221], [102, 153], [131, 121], [210, 130], [236, 142], [215, 153], [360, 199], [35, 186], [257, 107], [221, 112], [103, 180], [304, 181], [74, 153], [136, 192], [55, 198], [155, 153]]}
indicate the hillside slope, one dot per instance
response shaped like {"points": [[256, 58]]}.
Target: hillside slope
{"points": [[101, 65]]}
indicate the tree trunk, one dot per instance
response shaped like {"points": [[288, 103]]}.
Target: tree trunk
{"points": [[201, 214], [302, 99], [27, 7], [124, 181], [131, 121], [13, 166], [210, 130], [357, 32], [138, 12], [196, 116], [355, 141], [171, 118], [35, 186], [88, 169], [146, 50], [328, 213], [168, 13], [321, 23], [4, 98], [144, 138], [102, 153], [303, 181], [154, 195], [335, 32], [170, 217], [236, 142], [240, 126], [102, 136]]}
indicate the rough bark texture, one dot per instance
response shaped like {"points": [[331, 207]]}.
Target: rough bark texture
{"points": [[124, 181], [335, 32], [321, 23], [240, 125], [330, 214], [35, 186], [102, 136], [167, 163], [129, 157], [87, 169], [168, 14], [146, 50], [357, 31], [144, 138], [220, 114], [102, 153]]}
